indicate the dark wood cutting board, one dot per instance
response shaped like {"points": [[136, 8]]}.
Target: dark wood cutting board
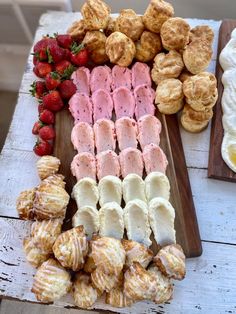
{"points": [[217, 168]]}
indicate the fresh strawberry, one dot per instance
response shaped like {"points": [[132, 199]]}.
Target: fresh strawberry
{"points": [[52, 80], [36, 127], [47, 133], [41, 44], [43, 68], [55, 53], [38, 88], [65, 69], [64, 41], [35, 60], [79, 54], [41, 107], [67, 54], [53, 101], [47, 116], [42, 148], [67, 89], [36, 72]]}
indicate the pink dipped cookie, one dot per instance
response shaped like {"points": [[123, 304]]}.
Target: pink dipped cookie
{"points": [[104, 132], [102, 105], [131, 161], [121, 76], [107, 164], [141, 75], [82, 137], [81, 108], [126, 132], [144, 101], [124, 102], [81, 79], [149, 129], [84, 165], [154, 159], [101, 78]]}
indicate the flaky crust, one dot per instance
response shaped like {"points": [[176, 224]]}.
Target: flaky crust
{"points": [[130, 24], [24, 204], [34, 255], [120, 49], [96, 14], [77, 30], [158, 11], [51, 281], [56, 179], [197, 56], [95, 42], [167, 66], [103, 281], [203, 32], [117, 298], [175, 33], [47, 166], [71, 248], [148, 46]]}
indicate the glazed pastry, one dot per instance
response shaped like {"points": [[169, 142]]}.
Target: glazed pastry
{"points": [[51, 282], [144, 97], [130, 24], [203, 32], [95, 42], [110, 26], [82, 138], [88, 217], [169, 96], [141, 75], [126, 132], [47, 166], [102, 105], [111, 221], [175, 34], [103, 281], [101, 78], [34, 255], [77, 30], [157, 185], [124, 102], [84, 165], [24, 204], [50, 201], [85, 193], [81, 79], [167, 66], [148, 46], [96, 14], [131, 161], [117, 298], [154, 159], [110, 190], [120, 49], [171, 261], [121, 76], [149, 129], [89, 265], [84, 294], [107, 164], [104, 131], [133, 188], [162, 218], [56, 179], [71, 248], [158, 11], [136, 252], [81, 108]]}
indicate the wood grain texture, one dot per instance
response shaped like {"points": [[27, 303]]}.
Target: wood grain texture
{"points": [[217, 168]]}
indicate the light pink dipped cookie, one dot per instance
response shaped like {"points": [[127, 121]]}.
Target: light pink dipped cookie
{"points": [[104, 132], [81, 78], [107, 164], [144, 101], [81, 108], [121, 76], [149, 129], [84, 165], [154, 159], [126, 132], [141, 75], [124, 102], [102, 105], [131, 161], [101, 78], [82, 138]]}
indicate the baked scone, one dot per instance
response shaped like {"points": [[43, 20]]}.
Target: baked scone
{"points": [[88, 217], [175, 34], [148, 46], [71, 248], [77, 30], [56, 179], [51, 281], [133, 188], [171, 261], [158, 11], [203, 32], [95, 42], [96, 14], [110, 190], [117, 298], [197, 56], [47, 166], [103, 281], [120, 49], [85, 193], [185, 75], [169, 96], [84, 294], [157, 185], [166, 66], [110, 26], [130, 24], [24, 204], [45, 233], [34, 255], [136, 252], [50, 201]]}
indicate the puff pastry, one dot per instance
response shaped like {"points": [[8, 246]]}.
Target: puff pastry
{"points": [[96, 14], [51, 281], [47, 166], [24, 204], [77, 30], [95, 42], [85, 193], [117, 298], [103, 281], [110, 190], [88, 217], [56, 179], [110, 26], [133, 188], [148, 46], [157, 185], [71, 248], [203, 32], [34, 255]]}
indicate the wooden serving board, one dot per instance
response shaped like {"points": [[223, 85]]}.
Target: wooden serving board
{"points": [[217, 168]]}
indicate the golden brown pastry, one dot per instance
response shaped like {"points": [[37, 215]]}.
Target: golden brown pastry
{"points": [[96, 14], [136, 252], [175, 33], [71, 248], [185, 75], [110, 26], [103, 281], [77, 30], [50, 201], [24, 204], [51, 281], [120, 49], [56, 179], [158, 11], [169, 96], [89, 265], [166, 66], [84, 294], [130, 24], [203, 32], [34, 255], [171, 261], [117, 298], [47, 166], [197, 56], [95, 42], [148, 46], [45, 233]]}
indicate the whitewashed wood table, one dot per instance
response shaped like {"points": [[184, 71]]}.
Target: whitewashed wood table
{"points": [[209, 286]]}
